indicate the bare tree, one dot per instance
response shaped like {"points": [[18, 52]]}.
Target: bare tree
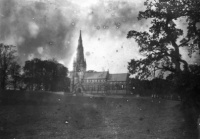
{"points": [[7, 57]]}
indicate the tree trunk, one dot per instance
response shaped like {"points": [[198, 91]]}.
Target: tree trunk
{"points": [[176, 58]]}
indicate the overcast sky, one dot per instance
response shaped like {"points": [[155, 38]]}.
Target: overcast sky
{"points": [[50, 29]]}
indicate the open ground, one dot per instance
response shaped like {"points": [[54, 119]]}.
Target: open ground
{"points": [[78, 117]]}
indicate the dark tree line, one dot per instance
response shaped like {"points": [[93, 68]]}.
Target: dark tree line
{"points": [[37, 74], [157, 87]]}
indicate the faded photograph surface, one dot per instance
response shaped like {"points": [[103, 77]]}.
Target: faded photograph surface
{"points": [[100, 69]]}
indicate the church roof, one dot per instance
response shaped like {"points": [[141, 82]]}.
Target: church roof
{"points": [[118, 77], [103, 75], [95, 75]]}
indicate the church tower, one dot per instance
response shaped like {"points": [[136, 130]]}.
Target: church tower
{"points": [[79, 65]]}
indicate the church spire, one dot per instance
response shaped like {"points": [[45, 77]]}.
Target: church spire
{"points": [[80, 60], [80, 37], [80, 40], [80, 51]]}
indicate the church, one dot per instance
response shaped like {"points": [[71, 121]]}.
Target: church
{"points": [[92, 82]]}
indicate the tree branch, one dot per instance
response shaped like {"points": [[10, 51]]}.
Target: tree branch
{"points": [[185, 42], [166, 68], [186, 67]]}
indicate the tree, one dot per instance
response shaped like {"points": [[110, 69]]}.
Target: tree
{"points": [[30, 74], [46, 75], [189, 86], [161, 44], [15, 75], [61, 78], [7, 57]]}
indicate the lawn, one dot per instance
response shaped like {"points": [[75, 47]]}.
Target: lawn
{"points": [[78, 117]]}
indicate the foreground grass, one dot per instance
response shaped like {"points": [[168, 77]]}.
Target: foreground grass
{"points": [[78, 117]]}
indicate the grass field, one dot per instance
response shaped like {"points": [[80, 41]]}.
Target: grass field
{"points": [[68, 117]]}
